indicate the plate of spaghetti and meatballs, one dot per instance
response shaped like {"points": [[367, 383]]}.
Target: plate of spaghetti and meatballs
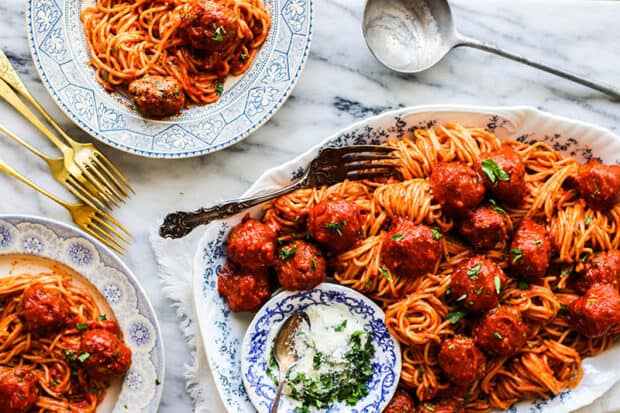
{"points": [[173, 78], [494, 255], [76, 331]]}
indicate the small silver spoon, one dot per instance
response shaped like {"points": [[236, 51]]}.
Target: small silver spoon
{"points": [[409, 36], [284, 350]]}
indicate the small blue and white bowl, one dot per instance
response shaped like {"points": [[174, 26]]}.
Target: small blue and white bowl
{"points": [[258, 343]]}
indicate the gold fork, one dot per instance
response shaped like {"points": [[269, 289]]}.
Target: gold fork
{"points": [[92, 220], [96, 168], [60, 172]]}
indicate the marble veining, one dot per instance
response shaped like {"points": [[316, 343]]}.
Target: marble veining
{"points": [[341, 83]]}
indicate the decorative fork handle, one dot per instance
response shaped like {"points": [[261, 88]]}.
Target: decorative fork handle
{"points": [[179, 224]]}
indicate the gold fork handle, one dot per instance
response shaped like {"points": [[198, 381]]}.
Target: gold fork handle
{"points": [[22, 142], [10, 171], [10, 76], [11, 97]]}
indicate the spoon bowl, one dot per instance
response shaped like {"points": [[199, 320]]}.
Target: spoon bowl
{"points": [[284, 349], [410, 36]]}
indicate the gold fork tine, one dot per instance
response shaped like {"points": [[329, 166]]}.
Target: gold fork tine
{"points": [[80, 192], [110, 228], [105, 238], [110, 175], [115, 174], [93, 171]]}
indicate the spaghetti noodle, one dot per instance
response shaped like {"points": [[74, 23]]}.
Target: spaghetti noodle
{"points": [[44, 323], [197, 43], [420, 311]]}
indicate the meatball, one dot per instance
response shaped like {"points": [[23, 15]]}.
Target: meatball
{"points": [[461, 361], [157, 96], [599, 184], [603, 268], [103, 354], [300, 266], [440, 406], [244, 291], [501, 331], [477, 283], [530, 250], [402, 402], [485, 228], [456, 187], [504, 174], [43, 309], [335, 224], [209, 26], [18, 391], [410, 250], [252, 245], [597, 313]]}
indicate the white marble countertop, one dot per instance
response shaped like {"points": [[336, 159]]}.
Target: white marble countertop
{"points": [[341, 84]]}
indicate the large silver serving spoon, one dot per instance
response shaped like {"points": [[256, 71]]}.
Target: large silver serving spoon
{"points": [[284, 350], [409, 36]]}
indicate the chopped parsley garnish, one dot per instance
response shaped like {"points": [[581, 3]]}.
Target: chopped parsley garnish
{"points": [[397, 237], [349, 385], [336, 226], [498, 284], [467, 395], [518, 254], [81, 326], [219, 88], [497, 335], [563, 309], [479, 290], [314, 265], [523, 285], [386, 273], [430, 408], [455, 316], [340, 327], [219, 34], [54, 382], [448, 291], [83, 357], [496, 207], [565, 272], [102, 317], [368, 284], [588, 219], [461, 298], [436, 233], [474, 271], [450, 346], [286, 253], [538, 242], [243, 57], [591, 300], [493, 171]]}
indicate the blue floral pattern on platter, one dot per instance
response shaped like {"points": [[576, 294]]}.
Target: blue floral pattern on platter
{"points": [[222, 331], [60, 54], [142, 387], [255, 349]]}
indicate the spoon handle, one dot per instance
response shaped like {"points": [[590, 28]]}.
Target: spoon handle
{"points": [[613, 92], [276, 400]]}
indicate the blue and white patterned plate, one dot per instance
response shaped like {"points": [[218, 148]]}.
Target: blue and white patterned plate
{"points": [[60, 54], [222, 331], [258, 343], [141, 390]]}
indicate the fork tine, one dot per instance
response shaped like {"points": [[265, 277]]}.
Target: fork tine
{"points": [[101, 183], [110, 228], [354, 156], [371, 175], [104, 237], [115, 175], [111, 219], [104, 175], [365, 148], [364, 166], [80, 191]]}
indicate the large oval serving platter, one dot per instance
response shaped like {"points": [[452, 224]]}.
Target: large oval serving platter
{"points": [[223, 331], [38, 243], [60, 54]]}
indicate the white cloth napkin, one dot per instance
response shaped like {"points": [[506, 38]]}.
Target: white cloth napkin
{"points": [[175, 258]]}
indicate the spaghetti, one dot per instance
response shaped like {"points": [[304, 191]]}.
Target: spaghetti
{"points": [[420, 311], [197, 43], [45, 324]]}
